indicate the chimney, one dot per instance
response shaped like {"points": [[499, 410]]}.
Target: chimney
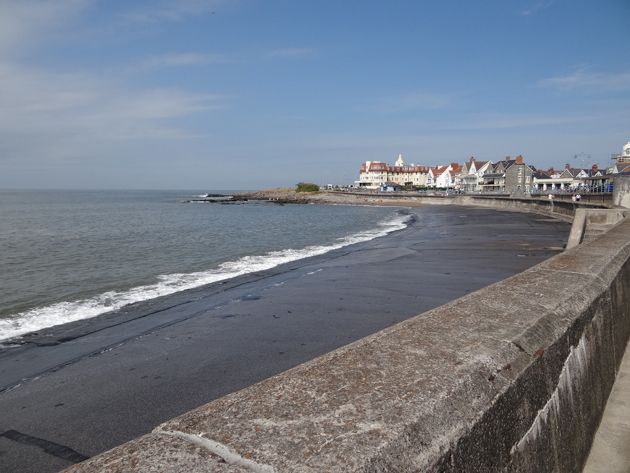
{"points": [[519, 159], [551, 170], [507, 158], [594, 167], [568, 166], [472, 159]]}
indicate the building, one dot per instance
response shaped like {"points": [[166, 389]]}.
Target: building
{"points": [[568, 179], [471, 175], [507, 176], [374, 174], [443, 176], [624, 157]]}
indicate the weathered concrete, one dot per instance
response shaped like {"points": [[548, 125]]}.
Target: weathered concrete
{"points": [[621, 191], [610, 452], [512, 377], [588, 223], [160, 453]]}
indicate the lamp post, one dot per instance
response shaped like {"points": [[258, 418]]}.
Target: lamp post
{"points": [[324, 178], [584, 158]]}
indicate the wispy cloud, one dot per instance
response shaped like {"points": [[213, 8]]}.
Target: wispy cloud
{"points": [[53, 115], [186, 59], [22, 23], [505, 121], [537, 7], [292, 53], [589, 81], [83, 111], [171, 10], [417, 101]]}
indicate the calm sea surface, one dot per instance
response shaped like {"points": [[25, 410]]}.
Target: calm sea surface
{"points": [[69, 255]]}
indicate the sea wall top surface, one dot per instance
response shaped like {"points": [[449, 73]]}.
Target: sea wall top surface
{"points": [[512, 377]]}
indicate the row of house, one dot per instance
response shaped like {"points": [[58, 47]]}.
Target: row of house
{"points": [[485, 176], [471, 176]]}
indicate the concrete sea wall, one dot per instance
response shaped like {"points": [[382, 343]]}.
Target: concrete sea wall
{"points": [[513, 377], [560, 209]]}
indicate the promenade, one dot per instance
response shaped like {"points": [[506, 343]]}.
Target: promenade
{"points": [[95, 385]]}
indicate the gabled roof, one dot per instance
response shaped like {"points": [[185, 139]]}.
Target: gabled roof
{"points": [[541, 175], [480, 164], [508, 164], [569, 173]]}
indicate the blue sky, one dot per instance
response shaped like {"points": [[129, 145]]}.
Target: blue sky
{"points": [[252, 94]]}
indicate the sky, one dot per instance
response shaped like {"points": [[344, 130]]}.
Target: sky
{"points": [[255, 94]]}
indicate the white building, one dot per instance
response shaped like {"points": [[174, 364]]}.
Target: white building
{"points": [[373, 174], [471, 175], [624, 157]]}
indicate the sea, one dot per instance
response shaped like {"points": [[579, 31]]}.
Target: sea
{"points": [[67, 255]]}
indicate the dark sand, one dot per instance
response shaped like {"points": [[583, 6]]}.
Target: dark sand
{"points": [[127, 372]]}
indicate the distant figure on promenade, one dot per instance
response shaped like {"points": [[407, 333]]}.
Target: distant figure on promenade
{"points": [[550, 196]]}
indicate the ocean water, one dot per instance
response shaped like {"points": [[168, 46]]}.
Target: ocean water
{"points": [[70, 255]]}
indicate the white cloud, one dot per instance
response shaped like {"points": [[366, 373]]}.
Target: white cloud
{"points": [[55, 116], [589, 81], [171, 10], [293, 53], [75, 113], [502, 121], [418, 101], [23, 22], [186, 59], [536, 7]]}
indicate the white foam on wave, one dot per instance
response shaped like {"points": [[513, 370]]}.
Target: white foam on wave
{"points": [[64, 312]]}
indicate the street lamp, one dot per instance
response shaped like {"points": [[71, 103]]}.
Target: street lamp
{"points": [[324, 178], [583, 157]]}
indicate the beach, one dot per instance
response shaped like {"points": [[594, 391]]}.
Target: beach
{"points": [[97, 383]]}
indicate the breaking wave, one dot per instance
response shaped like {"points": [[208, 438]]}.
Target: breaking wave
{"points": [[64, 312]]}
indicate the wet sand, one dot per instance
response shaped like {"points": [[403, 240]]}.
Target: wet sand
{"points": [[92, 385]]}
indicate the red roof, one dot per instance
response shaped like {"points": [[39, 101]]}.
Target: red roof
{"points": [[385, 167]]}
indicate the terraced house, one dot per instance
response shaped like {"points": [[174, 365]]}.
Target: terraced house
{"points": [[471, 175], [507, 176]]}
